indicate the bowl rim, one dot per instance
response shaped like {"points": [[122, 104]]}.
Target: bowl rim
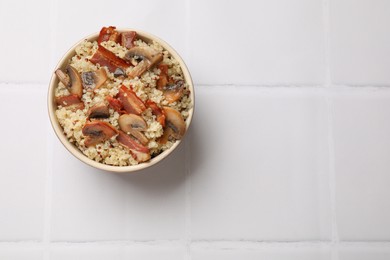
{"points": [[73, 149]]}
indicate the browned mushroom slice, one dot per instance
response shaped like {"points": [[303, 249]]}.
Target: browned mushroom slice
{"points": [[97, 132], [119, 73], [94, 79], [173, 92], [71, 79], [99, 110], [133, 124], [63, 77], [72, 101], [140, 152], [165, 137], [149, 57], [140, 157], [139, 69], [175, 121]]}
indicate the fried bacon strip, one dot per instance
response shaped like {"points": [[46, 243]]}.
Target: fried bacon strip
{"points": [[128, 38], [158, 112], [109, 34], [131, 102], [106, 58]]}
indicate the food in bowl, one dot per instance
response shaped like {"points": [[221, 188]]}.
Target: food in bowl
{"points": [[122, 100]]}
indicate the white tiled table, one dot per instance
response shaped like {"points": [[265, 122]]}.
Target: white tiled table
{"points": [[288, 156]]}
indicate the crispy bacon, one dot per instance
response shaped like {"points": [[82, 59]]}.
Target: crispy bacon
{"points": [[116, 105], [106, 58], [163, 78], [71, 100], [128, 38], [131, 102], [108, 34], [158, 112], [131, 143]]}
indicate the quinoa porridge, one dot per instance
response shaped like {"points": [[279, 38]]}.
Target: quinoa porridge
{"points": [[120, 100]]}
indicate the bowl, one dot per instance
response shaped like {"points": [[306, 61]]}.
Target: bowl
{"points": [[147, 37]]}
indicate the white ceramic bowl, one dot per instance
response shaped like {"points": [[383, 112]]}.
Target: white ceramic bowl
{"points": [[72, 148]]}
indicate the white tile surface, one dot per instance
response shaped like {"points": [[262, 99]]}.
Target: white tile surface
{"points": [[25, 44], [89, 204], [262, 254], [20, 254], [360, 41], [156, 200], [364, 253], [156, 17], [23, 159], [259, 164], [257, 42], [362, 150], [259, 171]]}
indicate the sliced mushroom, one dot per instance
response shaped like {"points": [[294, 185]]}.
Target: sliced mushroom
{"points": [[173, 92], [165, 137], [72, 101], [119, 73], [63, 77], [99, 110], [140, 152], [131, 102], [149, 57], [71, 79], [140, 157], [138, 70], [175, 121], [97, 132], [133, 124], [94, 79]]}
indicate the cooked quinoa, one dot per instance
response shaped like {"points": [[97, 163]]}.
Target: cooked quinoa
{"points": [[110, 151]]}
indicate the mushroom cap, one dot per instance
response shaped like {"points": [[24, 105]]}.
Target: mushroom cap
{"points": [[139, 69], [144, 52], [99, 110], [63, 77], [94, 79], [75, 86], [149, 56], [97, 132], [175, 121], [133, 124], [173, 92]]}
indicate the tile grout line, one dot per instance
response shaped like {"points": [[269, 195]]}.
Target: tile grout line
{"points": [[331, 148], [187, 144]]}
